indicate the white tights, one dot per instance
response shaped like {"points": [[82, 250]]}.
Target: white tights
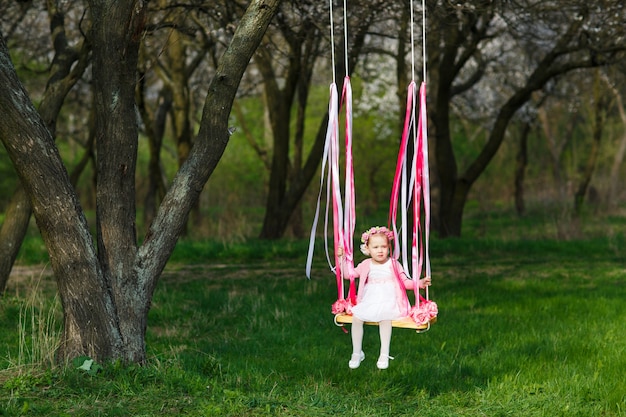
{"points": [[384, 328]]}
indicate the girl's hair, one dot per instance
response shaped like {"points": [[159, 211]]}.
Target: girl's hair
{"points": [[376, 230]]}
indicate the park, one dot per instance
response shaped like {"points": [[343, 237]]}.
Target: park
{"points": [[160, 174]]}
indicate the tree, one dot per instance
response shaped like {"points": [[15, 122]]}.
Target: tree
{"points": [[521, 161], [291, 172], [175, 47], [599, 109], [106, 293], [553, 37], [620, 153]]}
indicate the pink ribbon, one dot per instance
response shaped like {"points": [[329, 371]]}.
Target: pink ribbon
{"points": [[423, 121], [331, 131], [343, 215], [349, 210], [399, 180], [419, 185]]}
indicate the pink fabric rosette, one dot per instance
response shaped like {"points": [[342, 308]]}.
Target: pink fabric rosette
{"points": [[424, 313], [342, 306]]}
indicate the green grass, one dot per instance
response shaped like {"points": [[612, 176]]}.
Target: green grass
{"points": [[526, 328]]}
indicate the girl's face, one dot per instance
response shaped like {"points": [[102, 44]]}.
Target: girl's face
{"points": [[378, 246]]}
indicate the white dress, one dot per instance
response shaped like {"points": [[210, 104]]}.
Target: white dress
{"points": [[378, 301]]}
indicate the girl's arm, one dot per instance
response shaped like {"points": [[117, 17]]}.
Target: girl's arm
{"points": [[342, 264], [410, 285], [406, 281]]}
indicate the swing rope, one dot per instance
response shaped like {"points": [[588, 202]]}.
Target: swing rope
{"points": [[418, 182], [343, 216]]}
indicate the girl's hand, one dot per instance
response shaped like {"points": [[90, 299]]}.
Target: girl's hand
{"points": [[340, 251], [425, 282]]}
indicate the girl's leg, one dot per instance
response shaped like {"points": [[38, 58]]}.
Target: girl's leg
{"points": [[357, 335], [384, 327], [357, 343]]}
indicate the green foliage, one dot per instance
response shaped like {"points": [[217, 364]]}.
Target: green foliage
{"points": [[527, 327]]}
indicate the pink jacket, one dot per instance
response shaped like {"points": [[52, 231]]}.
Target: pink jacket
{"points": [[402, 281]]}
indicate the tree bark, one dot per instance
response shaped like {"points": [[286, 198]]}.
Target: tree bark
{"points": [[556, 148], [180, 110], [154, 125], [116, 34], [460, 42]]}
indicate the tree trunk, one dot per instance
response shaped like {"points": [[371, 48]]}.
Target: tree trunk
{"points": [[178, 82], [88, 328], [209, 145], [521, 161], [557, 147], [88, 156], [155, 131], [618, 159], [276, 220], [12, 233], [599, 111], [117, 33]]}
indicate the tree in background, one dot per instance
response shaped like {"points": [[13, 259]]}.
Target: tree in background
{"points": [[178, 55], [287, 81], [613, 80], [468, 40]]}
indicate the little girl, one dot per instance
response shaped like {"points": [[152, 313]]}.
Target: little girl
{"points": [[381, 295]]}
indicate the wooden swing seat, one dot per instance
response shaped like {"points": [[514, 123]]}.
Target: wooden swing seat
{"points": [[404, 323]]}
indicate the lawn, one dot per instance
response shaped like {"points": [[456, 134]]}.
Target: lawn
{"points": [[526, 328]]}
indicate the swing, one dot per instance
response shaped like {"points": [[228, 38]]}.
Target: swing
{"points": [[424, 312], [403, 323]]}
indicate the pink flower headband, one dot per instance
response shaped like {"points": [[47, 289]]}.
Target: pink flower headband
{"points": [[376, 230]]}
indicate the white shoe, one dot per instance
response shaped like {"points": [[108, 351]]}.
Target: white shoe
{"points": [[383, 361], [356, 360]]}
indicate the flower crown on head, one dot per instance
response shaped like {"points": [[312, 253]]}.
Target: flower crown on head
{"points": [[376, 230]]}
